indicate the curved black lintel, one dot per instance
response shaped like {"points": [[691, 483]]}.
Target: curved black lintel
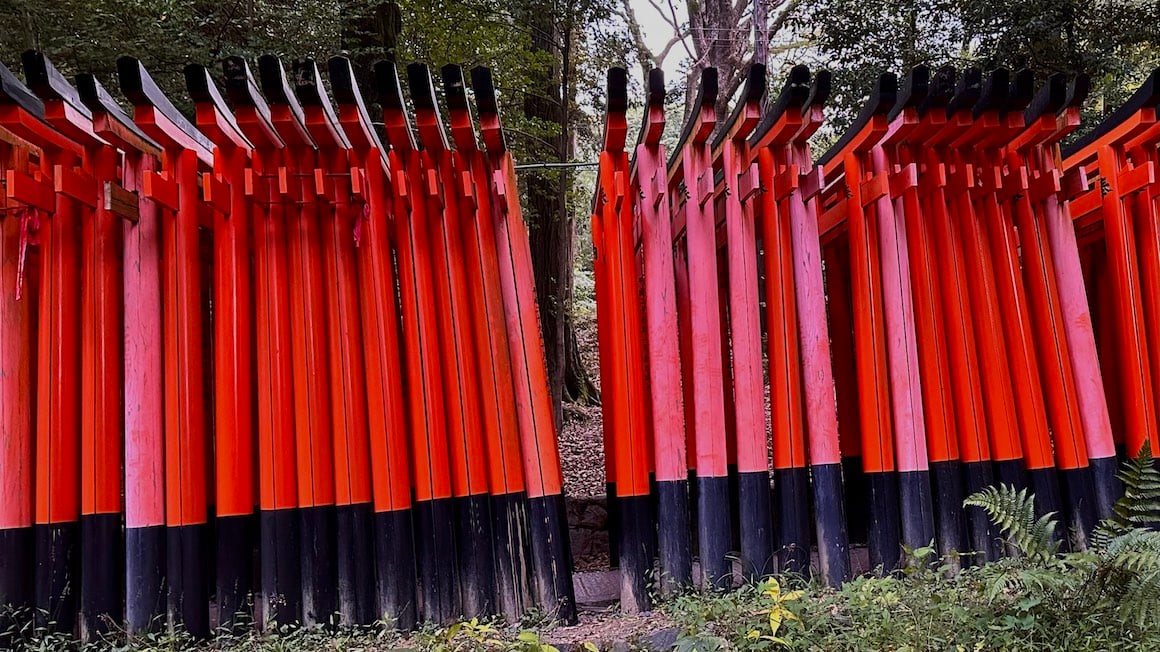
{"points": [[1078, 89], [796, 92], [617, 86], [484, 87], [1050, 99], [913, 92], [141, 90], [882, 99], [276, 86], [940, 90], [389, 92], [454, 87], [242, 87], [1145, 97], [1022, 91], [655, 98], [204, 90], [993, 93], [656, 87], [94, 95], [388, 89], [13, 91], [309, 89], [967, 91], [346, 92], [820, 89], [48, 83], [751, 93], [422, 87]]}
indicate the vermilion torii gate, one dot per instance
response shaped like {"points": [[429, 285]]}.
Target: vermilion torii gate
{"points": [[928, 328], [273, 350], [350, 386]]}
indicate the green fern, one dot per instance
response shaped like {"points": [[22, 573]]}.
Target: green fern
{"points": [[1139, 507], [1014, 513]]}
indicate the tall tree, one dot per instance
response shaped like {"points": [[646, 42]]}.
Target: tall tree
{"points": [[727, 35]]}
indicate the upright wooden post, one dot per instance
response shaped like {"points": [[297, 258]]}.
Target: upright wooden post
{"points": [[551, 557], [342, 204], [664, 354], [394, 552], [279, 540], [434, 512], [509, 516], [235, 402], [185, 150]]}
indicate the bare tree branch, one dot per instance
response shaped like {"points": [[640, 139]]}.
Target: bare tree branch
{"points": [[644, 56], [675, 21], [787, 10]]}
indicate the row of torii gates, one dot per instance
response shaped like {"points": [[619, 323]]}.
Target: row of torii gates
{"points": [[265, 363], [271, 353], [944, 300]]}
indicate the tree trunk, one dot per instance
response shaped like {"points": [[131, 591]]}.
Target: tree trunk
{"points": [[551, 228], [368, 35]]}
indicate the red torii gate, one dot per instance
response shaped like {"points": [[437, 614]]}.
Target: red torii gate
{"points": [[185, 153], [225, 189], [56, 479], [1113, 205], [393, 530]]}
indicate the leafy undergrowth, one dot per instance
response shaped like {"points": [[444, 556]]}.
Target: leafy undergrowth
{"points": [[1105, 598]]}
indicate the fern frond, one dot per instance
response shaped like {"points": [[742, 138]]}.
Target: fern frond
{"points": [[1139, 507], [1013, 512]]}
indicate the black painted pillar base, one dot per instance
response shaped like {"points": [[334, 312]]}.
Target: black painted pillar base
{"points": [[885, 542], [16, 587], [476, 559], [950, 520], [654, 549], [856, 496], [552, 557], [635, 559], [694, 513], [734, 506], [234, 536], [612, 506], [395, 568], [714, 532], [435, 550], [792, 487], [145, 597], [57, 579], [1011, 472], [676, 558], [280, 554], [981, 533], [357, 605], [830, 523], [509, 528], [188, 590], [1044, 485], [319, 565], [1081, 509], [101, 565], [1106, 484], [755, 520], [16, 564], [917, 509]]}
